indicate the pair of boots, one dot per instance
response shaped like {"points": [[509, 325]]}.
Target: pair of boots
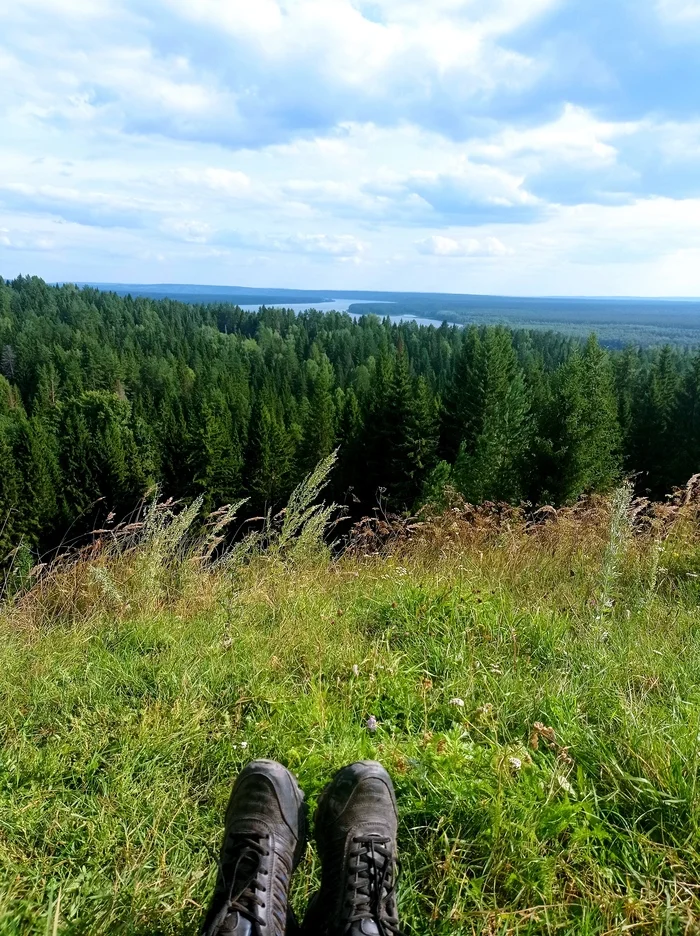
{"points": [[265, 837]]}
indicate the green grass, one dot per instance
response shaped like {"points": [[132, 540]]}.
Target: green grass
{"points": [[126, 715]]}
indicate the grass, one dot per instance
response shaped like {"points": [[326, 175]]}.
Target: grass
{"points": [[537, 692]]}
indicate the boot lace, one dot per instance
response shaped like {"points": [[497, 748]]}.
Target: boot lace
{"points": [[246, 877], [372, 884]]}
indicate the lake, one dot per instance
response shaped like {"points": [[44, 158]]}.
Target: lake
{"points": [[343, 305]]}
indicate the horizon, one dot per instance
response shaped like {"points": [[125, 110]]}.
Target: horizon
{"points": [[523, 148], [232, 288]]}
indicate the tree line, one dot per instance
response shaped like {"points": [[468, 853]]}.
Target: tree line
{"points": [[102, 397]]}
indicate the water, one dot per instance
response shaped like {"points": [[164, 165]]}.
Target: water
{"points": [[342, 305]]}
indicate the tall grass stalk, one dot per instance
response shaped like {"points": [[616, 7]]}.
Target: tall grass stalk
{"points": [[618, 541]]}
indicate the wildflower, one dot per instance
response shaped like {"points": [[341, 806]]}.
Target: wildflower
{"points": [[371, 724], [515, 763], [458, 702], [355, 669], [243, 744]]}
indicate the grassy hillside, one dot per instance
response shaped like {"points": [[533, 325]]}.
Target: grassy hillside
{"points": [[536, 687]]}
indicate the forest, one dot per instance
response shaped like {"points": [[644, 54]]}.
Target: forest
{"points": [[105, 397]]}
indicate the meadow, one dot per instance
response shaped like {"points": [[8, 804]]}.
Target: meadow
{"points": [[535, 682]]}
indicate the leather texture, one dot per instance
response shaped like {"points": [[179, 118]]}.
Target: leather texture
{"points": [[264, 839], [356, 827]]}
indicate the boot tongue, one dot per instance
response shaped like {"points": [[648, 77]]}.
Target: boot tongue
{"points": [[365, 928], [233, 924], [236, 925]]}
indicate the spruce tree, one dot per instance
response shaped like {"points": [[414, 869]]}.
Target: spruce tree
{"points": [[421, 441], [687, 462], [351, 465], [656, 437], [492, 466], [462, 420], [218, 460], [319, 418], [589, 445], [270, 459]]}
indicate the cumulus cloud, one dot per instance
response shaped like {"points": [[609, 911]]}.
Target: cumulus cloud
{"points": [[680, 11], [13, 240], [229, 182], [249, 74], [289, 137], [438, 245], [102, 209], [334, 245], [194, 232]]}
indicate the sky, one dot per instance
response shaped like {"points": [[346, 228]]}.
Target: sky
{"points": [[513, 147]]}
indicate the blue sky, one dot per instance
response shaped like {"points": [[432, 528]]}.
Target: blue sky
{"points": [[494, 146]]}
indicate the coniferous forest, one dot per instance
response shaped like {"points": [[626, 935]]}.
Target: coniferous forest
{"points": [[103, 397]]}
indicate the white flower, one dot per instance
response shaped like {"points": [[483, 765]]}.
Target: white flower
{"points": [[355, 669], [371, 724], [458, 702], [515, 763]]}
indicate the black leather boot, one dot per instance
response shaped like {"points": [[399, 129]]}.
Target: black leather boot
{"points": [[356, 826], [264, 839]]}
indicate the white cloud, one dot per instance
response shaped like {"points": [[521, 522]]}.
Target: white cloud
{"points": [[437, 245], [14, 240], [194, 232], [229, 182], [679, 11], [576, 136], [229, 140], [336, 245], [75, 204]]}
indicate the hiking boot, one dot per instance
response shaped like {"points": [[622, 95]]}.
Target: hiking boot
{"points": [[356, 825], [264, 839]]}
